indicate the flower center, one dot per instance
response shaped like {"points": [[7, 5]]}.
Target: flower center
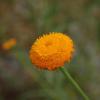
{"points": [[48, 43]]}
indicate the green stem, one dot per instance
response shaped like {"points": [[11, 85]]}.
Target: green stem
{"points": [[73, 82]]}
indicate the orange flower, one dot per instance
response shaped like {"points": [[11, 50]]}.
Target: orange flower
{"points": [[9, 44], [51, 51]]}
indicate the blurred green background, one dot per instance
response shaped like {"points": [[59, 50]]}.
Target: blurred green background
{"points": [[25, 20]]}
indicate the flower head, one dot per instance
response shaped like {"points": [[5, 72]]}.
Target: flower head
{"points": [[51, 51], [9, 44]]}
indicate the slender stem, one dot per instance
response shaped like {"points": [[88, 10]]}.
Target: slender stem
{"points": [[73, 82]]}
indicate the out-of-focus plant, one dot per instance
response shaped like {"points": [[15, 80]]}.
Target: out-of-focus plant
{"points": [[9, 44]]}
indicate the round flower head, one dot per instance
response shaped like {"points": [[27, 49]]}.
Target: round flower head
{"points": [[51, 51]]}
